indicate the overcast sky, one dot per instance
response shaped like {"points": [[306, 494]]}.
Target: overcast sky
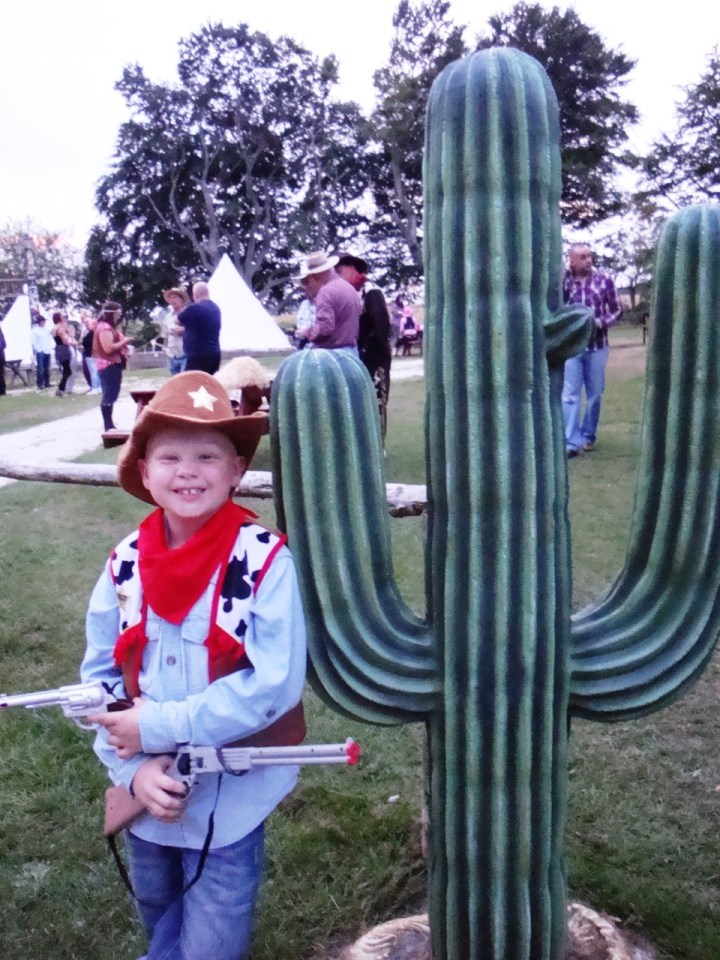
{"points": [[59, 113]]}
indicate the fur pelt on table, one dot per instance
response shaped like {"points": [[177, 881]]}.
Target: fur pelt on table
{"points": [[243, 372]]}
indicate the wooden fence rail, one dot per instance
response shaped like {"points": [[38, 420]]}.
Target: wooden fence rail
{"points": [[403, 500]]}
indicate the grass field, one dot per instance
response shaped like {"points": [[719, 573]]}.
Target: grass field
{"points": [[344, 852]]}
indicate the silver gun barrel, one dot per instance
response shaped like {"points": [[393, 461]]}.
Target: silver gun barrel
{"points": [[80, 696]]}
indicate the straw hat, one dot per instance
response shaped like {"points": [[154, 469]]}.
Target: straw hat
{"points": [[178, 292], [190, 399], [317, 262]]}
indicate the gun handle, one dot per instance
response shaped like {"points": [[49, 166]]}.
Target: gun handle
{"points": [[114, 706], [184, 778], [122, 809]]}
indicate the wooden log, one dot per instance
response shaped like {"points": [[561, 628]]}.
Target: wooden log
{"points": [[403, 500], [89, 474]]}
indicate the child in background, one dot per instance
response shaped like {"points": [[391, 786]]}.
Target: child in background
{"points": [[197, 616]]}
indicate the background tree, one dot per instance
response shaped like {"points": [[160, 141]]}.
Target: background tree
{"points": [[424, 41], [588, 78], [55, 263], [685, 168], [631, 249], [245, 155]]}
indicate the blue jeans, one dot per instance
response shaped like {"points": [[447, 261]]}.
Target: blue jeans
{"points": [[110, 381], [588, 371], [353, 350], [176, 364], [94, 378], [214, 919], [43, 370]]}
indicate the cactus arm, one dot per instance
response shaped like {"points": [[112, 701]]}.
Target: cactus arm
{"points": [[568, 332], [498, 574], [369, 653], [643, 644]]}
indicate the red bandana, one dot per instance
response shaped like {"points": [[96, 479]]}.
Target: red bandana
{"points": [[174, 580]]}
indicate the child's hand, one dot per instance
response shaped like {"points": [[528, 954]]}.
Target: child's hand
{"points": [[123, 729], [160, 794]]}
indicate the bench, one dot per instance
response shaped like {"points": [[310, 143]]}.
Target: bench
{"points": [[404, 346]]}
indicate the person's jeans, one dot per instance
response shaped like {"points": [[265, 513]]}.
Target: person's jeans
{"points": [[176, 364], [110, 381], [214, 919], [92, 370], [66, 371], [353, 350], [42, 361], [588, 371]]}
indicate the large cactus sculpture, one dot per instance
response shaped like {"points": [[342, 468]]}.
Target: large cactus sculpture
{"points": [[497, 664]]}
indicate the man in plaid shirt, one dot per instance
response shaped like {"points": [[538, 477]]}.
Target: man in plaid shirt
{"points": [[596, 290]]}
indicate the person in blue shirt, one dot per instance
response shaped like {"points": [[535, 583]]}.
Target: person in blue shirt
{"points": [[199, 324], [197, 618], [43, 347]]}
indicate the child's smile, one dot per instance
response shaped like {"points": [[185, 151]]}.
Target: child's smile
{"points": [[190, 474]]}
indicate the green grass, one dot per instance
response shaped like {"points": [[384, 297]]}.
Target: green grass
{"points": [[642, 838]]}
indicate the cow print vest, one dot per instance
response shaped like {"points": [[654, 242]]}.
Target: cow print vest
{"points": [[238, 580]]}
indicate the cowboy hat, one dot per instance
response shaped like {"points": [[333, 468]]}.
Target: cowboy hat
{"points": [[191, 399], [317, 262], [178, 292], [349, 260]]}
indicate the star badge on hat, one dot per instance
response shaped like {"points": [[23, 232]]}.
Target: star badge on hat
{"points": [[202, 399]]}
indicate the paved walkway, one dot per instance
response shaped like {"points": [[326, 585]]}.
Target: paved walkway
{"points": [[68, 437], [72, 436]]}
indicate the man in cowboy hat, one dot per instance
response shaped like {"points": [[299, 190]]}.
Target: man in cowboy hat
{"points": [[337, 304], [197, 618], [374, 330], [177, 299]]}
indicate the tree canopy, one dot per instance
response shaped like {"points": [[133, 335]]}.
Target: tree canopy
{"points": [[250, 152], [424, 42], [588, 78], [246, 154], [685, 168], [31, 253]]}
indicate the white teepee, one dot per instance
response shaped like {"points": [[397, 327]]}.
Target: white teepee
{"points": [[245, 324], [16, 326]]}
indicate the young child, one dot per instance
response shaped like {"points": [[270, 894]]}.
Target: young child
{"points": [[197, 616]]}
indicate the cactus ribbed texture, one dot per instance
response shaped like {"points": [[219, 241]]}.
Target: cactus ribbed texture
{"points": [[653, 633], [490, 669], [372, 656], [497, 539]]}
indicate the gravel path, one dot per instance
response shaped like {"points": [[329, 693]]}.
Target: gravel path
{"points": [[69, 437]]}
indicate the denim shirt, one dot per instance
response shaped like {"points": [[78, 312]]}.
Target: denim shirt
{"points": [[182, 707]]}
